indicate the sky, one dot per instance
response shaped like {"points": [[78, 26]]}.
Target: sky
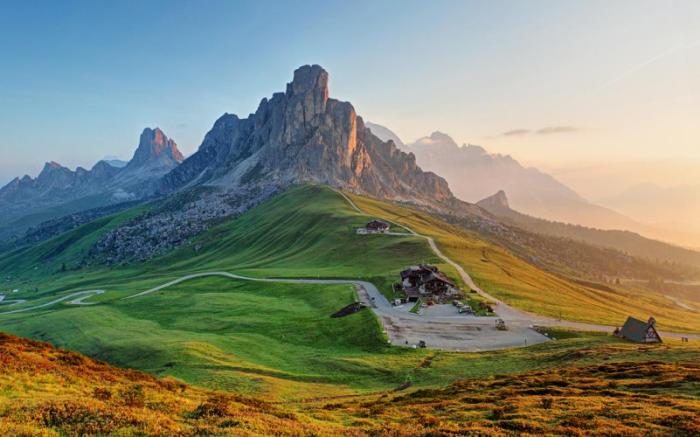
{"points": [[560, 83]]}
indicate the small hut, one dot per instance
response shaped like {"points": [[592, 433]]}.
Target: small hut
{"points": [[376, 226], [638, 331]]}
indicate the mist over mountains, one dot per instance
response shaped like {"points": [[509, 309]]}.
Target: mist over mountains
{"points": [[298, 136], [668, 207], [474, 174], [626, 241]]}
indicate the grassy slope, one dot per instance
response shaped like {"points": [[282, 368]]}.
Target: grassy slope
{"points": [[45, 391], [610, 399], [275, 340], [525, 286], [247, 336], [307, 232]]}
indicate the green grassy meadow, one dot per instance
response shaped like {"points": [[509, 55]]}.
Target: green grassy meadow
{"points": [[525, 286], [273, 340]]}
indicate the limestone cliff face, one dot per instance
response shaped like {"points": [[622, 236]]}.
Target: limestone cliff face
{"points": [[302, 135]]}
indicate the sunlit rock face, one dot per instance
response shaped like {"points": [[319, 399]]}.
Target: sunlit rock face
{"points": [[156, 149], [303, 135]]}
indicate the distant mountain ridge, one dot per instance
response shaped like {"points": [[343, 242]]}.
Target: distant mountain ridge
{"points": [[672, 206], [385, 134], [295, 137], [57, 190], [473, 174], [626, 241]]}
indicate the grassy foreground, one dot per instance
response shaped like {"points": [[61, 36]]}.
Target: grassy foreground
{"points": [[51, 392]]}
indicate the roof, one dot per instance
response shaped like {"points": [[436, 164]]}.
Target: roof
{"points": [[378, 224], [439, 277], [636, 330], [419, 270]]}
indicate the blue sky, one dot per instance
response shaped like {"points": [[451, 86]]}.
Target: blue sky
{"points": [[80, 80]]}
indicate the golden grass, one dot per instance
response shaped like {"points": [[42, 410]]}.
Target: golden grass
{"points": [[49, 391], [530, 288], [611, 399]]}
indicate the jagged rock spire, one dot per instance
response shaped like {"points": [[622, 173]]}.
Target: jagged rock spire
{"points": [[154, 145]]}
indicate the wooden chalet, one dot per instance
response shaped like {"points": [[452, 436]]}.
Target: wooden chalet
{"points": [[413, 276], [424, 280], [638, 331], [412, 294], [377, 226], [437, 283]]}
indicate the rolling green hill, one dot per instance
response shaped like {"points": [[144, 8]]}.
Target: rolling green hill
{"points": [[278, 340], [626, 241], [528, 287]]}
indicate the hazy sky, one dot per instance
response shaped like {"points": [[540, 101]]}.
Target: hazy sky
{"points": [[546, 81]]}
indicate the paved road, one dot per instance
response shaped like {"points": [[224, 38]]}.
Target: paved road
{"points": [[77, 297], [455, 332], [9, 302], [437, 328], [512, 316]]}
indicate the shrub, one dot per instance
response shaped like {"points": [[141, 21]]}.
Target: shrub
{"points": [[215, 406], [134, 396], [74, 418], [172, 384], [547, 403], [102, 394], [229, 423], [429, 421], [497, 413]]}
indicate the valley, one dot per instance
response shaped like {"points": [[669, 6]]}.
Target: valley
{"points": [[298, 275], [275, 338]]}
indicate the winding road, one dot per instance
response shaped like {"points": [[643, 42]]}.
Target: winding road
{"points": [[439, 329], [77, 299], [512, 316]]}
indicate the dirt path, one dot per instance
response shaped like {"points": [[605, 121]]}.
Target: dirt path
{"points": [[10, 302]]}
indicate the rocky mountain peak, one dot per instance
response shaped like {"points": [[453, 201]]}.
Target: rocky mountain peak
{"points": [[311, 81], [53, 173], [155, 148], [495, 203], [51, 166], [303, 135], [436, 139]]}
